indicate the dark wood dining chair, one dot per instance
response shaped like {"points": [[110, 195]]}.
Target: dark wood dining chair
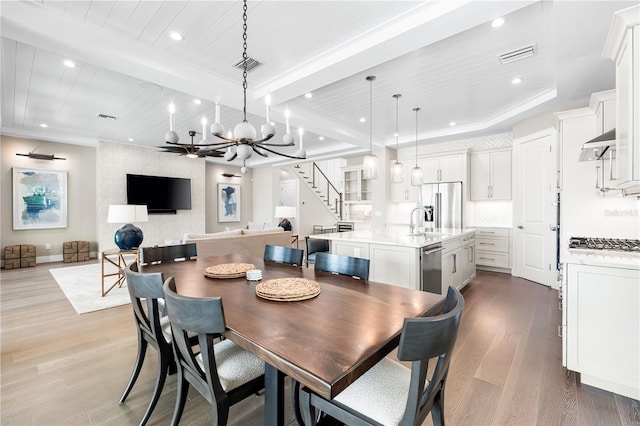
{"points": [[221, 371], [152, 329], [314, 246], [279, 254], [159, 254], [344, 265], [390, 393]]}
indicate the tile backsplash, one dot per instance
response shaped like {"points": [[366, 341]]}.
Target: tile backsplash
{"points": [[489, 213]]}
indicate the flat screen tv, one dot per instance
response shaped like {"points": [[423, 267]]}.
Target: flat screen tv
{"points": [[160, 194]]}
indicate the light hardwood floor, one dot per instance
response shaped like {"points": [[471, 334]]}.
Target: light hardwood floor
{"points": [[60, 368]]}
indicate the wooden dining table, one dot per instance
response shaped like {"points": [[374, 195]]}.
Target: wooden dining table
{"points": [[325, 343]]}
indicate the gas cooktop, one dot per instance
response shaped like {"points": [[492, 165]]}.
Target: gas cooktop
{"points": [[611, 244]]}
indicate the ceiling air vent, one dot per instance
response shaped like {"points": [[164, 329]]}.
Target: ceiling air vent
{"points": [[516, 55], [251, 64], [105, 116]]}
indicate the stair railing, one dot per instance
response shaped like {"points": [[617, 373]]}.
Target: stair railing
{"points": [[323, 186]]}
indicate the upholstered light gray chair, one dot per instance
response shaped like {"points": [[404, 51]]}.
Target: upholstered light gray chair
{"points": [[221, 371], [152, 329], [391, 394]]}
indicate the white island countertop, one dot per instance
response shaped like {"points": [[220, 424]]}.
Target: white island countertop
{"points": [[396, 236]]}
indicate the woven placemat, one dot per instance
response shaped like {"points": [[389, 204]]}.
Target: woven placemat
{"points": [[228, 270], [287, 289]]}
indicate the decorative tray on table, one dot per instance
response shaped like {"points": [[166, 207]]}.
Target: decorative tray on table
{"points": [[287, 289], [228, 270]]}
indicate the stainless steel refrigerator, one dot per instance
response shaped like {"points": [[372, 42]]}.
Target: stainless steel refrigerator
{"points": [[445, 200]]}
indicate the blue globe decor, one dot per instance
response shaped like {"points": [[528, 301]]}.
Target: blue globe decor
{"points": [[128, 237]]}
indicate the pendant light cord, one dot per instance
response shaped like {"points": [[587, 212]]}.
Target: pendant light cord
{"points": [[370, 79], [371, 116], [416, 110], [244, 59], [397, 96]]}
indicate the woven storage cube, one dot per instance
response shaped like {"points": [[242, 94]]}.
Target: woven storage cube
{"points": [[27, 262], [83, 257], [27, 250], [75, 251], [83, 246], [70, 247], [11, 263], [12, 252]]}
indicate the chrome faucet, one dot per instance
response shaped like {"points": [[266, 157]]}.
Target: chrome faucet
{"points": [[411, 225]]}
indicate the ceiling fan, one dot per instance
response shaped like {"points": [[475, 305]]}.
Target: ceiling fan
{"points": [[193, 150]]}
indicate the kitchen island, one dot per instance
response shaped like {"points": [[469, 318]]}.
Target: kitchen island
{"points": [[397, 258]]}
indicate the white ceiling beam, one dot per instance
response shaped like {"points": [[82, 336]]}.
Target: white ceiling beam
{"points": [[421, 26]]}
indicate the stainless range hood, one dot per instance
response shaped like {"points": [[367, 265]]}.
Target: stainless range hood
{"points": [[597, 147]]}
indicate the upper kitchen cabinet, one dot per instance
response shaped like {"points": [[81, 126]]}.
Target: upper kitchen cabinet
{"points": [[491, 175], [623, 47], [444, 168], [401, 192], [356, 189]]}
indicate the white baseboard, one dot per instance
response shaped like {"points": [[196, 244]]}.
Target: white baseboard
{"points": [[49, 259]]}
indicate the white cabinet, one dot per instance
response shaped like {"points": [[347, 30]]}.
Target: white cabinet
{"points": [[493, 248], [399, 266], [491, 175], [401, 192], [350, 248], [468, 259], [602, 331], [623, 47], [458, 262], [356, 189], [452, 272], [443, 168]]}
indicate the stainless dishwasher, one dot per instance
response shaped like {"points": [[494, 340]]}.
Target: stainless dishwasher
{"points": [[431, 262]]}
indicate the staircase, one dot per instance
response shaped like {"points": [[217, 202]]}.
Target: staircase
{"points": [[320, 184]]}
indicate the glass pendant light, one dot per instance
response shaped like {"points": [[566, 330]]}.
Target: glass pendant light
{"points": [[397, 168], [416, 172], [370, 164]]}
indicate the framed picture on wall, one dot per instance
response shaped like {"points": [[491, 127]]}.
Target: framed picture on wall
{"points": [[229, 202], [39, 198]]}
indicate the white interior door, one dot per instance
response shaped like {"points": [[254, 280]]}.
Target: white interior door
{"points": [[534, 237]]}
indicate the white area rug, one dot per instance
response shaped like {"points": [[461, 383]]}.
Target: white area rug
{"points": [[82, 286]]}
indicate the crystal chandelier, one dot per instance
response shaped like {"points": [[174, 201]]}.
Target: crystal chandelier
{"points": [[370, 163], [397, 168], [416, 172], [242, 142]]}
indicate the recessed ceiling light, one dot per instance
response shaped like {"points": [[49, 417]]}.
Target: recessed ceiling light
{"points": [[176, 36], [362, 120], [308, 95], [497, 22], [69, 63], [197, 101], [321, 138], [130, 139], [44, 125], [516, 80], [395, 135], [453, 123]]}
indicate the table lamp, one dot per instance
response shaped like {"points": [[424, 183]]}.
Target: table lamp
{"points": [[283, 212], [128, 237]]}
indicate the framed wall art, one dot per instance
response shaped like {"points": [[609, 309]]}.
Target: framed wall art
{"points": [[229, 202], [39, 198]]}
